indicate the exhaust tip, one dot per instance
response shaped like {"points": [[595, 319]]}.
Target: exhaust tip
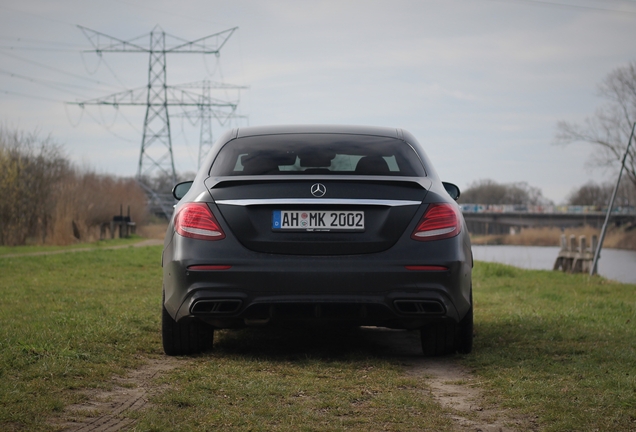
{"points": [[214, 307]]}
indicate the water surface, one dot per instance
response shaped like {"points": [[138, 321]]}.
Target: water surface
{"points": [[615, 264]]}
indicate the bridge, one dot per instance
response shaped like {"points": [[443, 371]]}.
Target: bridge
{"points": [[500, 219]]}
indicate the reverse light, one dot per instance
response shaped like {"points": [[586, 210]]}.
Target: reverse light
{"points": [[440, 221], [195, 220]]}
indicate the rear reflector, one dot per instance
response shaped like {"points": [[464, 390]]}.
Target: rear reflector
{"points": [[209, 267], [440, 221], [195, 220], [426, 268]]}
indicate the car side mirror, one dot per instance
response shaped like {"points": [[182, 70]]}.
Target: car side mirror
{"points": [[181, 189], [452, 190]]}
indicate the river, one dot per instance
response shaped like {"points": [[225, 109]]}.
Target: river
{"points": [[615, 264]]}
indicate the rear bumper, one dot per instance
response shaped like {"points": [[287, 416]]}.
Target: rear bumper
{"points": [[370, 289]]}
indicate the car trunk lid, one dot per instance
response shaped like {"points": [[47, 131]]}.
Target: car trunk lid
{"points": [[318, 216]]}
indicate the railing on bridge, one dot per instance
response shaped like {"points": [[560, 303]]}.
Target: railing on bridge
{"points": [[544, 209], [504, 218]]}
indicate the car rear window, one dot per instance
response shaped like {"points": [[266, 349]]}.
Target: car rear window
{"points": [[322, 154]]}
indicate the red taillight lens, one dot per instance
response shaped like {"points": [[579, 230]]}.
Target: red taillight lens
{"points": [[195, 220], [440, 221]]}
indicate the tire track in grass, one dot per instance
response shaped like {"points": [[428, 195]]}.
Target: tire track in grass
{"points": [[454, 388], [105, 410], [451, 385]]}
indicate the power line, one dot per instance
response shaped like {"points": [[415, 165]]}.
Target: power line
{"points": [[29, 96], [108, 128], [566, 5], [47, 83], [54, 69], [37, 49], [156, 156], [40, 41]]}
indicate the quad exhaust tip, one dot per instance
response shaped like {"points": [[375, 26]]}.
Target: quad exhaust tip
{"points": [[215, 307]]}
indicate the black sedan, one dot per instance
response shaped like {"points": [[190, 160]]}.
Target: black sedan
{"points": [[342, 225]]}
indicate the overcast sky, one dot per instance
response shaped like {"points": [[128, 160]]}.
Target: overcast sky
{"points": [[480, 83]]}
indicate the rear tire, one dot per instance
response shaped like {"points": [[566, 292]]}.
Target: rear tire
{"points": [[437, 339], [465, 332], [185, 337]]}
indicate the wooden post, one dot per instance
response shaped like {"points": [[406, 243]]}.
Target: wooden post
{"points": [[594, 264]]}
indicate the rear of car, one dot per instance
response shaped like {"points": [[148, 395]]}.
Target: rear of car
{"points": [[325, 224]]}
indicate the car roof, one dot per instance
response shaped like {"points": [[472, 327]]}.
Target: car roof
{"points": [[319, 129]]}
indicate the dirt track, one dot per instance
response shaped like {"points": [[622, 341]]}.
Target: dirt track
{"points": [[452, 386]]}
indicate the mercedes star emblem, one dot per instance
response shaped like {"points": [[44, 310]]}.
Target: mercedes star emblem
{"points": [[318, 190]]}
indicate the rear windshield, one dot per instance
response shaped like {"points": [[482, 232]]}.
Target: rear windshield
{"points": [[323, 154]]}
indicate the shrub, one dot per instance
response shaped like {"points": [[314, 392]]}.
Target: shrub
{"points": [[45, 199]]}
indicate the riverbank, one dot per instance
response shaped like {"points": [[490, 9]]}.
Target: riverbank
{"points": [[616, 238]]}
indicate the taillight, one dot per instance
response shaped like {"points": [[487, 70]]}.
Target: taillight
{"points": [[195, 220], [440, 221]]}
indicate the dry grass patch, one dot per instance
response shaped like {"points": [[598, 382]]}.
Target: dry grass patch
{"points": [[155, 230], [617, 237]]}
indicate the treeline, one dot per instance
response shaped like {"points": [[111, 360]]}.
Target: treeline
{"points": [[599, 194], [45, 199], [590, 194], [490, 192]]}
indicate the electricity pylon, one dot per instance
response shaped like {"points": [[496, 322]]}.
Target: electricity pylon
{"points": [[205, 113], [156, 155]]}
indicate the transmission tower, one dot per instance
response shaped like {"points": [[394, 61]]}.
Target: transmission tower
{"points": [[156, 157], [206, 112]]}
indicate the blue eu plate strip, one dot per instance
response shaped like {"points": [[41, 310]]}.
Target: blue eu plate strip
{"points": [[276, 219]]}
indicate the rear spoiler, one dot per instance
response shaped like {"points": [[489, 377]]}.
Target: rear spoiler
{"points": [[412, 182]]}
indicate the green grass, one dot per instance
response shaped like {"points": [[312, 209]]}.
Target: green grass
{"points": [[20, 250], [71, 321], [561, 347], [237, 392], [556, 348], [301, 379]]}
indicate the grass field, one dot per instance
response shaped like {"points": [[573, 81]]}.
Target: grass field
{"points": [[101, 244], [555, 348]]}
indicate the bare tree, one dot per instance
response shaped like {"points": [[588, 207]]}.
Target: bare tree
{"points": [[610, 127], [591, 194], [595, 194], [488, 191]]}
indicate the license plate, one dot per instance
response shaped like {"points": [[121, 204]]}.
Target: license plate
{"points": [[310, 220]]}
